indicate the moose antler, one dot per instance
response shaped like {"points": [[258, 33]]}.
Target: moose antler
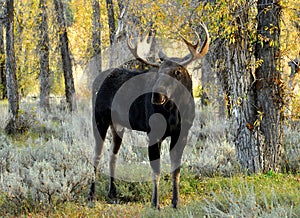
{"points": [[194, 54], [142, 48]]}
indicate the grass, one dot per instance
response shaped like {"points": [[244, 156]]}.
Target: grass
{"points": [[204, 191], [199, 197]]}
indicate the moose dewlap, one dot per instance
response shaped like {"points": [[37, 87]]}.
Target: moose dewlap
{"points": [[157, 101]]}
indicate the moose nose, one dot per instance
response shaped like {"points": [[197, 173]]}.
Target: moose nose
{"points": [[158, 99]]}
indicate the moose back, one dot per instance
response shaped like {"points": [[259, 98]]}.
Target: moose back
{"points": [[157, 101]]}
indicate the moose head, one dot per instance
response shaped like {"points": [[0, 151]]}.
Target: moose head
{"points": [[124, 98], [173, 67]]}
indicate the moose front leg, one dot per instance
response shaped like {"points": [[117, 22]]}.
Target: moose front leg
{"points": [[175, 187], [176, 151], [154, 157]]}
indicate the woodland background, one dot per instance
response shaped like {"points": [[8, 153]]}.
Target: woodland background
{"points": [[246, 129]]}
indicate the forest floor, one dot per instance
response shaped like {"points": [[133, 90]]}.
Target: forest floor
{"points": [[235, 195], [270, 195]]}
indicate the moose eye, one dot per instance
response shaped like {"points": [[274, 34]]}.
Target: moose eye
{"points": [[177, 73]]}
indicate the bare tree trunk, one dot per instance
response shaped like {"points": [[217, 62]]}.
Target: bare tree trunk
{"points": [[243, 108], [11, 77], [219, 60], [44, 58], [121, 5], [236, 74], [111, 20], [66, 56], [256, 95], [2, 66], [112, 30], [268, 83], [97, 35]]}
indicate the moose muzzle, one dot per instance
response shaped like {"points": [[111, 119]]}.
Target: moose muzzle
{"points": [[158, 98]]}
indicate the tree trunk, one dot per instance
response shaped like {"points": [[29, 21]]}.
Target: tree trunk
{"points": [[66, 56], [112, 30], [11, 77], [218, 60], [111, 20], [246, 136], [235, 59], [121, 5], [268, 83], [44, 58], [255, 95], [97, 36], [3, 91]]}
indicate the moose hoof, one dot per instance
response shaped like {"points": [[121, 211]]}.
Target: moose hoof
{"points": [[91, 204], [155, 206], [113, 201], [175, 204], [113, 197], [91, 200]]}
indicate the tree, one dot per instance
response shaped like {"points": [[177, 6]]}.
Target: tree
{"points": [[233, 55], [11, 77], [66, 56], [269, 85], [112, 30], [253, 86], [3, 91], [111, 20], [44, 57], [121, 5], [97, 35]]}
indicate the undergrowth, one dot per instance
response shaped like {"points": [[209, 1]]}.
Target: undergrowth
{"points": [[45, 171]]}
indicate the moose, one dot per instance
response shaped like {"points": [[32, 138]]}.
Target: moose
{"points": [[158, 101]]}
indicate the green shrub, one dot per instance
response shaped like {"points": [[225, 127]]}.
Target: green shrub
{"points": [[245, 203], [51, 164], [291, 151], [44, 176]]}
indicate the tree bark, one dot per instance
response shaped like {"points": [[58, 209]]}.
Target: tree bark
{"points": [[97, 35], [11, 77], [269, 89], [246, 136], [66, 56], [255, 95], [111, 20], [235, 59], [3, 91], [121, 5], [44, 57], [112, 30]]}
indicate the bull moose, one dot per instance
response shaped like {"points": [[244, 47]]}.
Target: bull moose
{"points": [[158, 101]]}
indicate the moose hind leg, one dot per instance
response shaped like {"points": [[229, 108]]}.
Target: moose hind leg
{"points": [[99, 131], [117, 140], [154, 157]]}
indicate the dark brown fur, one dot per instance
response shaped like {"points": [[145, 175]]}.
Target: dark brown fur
{"points": [[179, 117]]}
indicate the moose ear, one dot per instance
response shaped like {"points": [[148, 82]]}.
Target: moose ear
{"points": [[162, 56]]}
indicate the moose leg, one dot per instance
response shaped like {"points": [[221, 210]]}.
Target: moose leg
{"points": [[99, 131], [154, 157], [117, 140], [175, 156]]}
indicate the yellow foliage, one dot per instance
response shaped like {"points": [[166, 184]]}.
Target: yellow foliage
{"points": [[80, 32], [169, 17], [290, 49]]}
